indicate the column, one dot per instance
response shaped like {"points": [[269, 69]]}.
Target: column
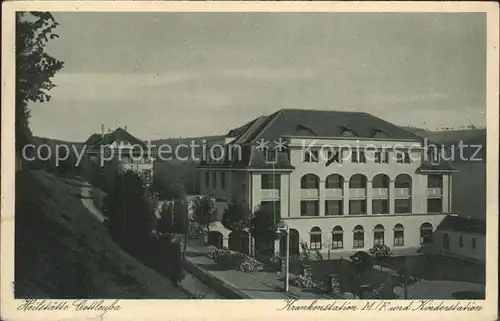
{"points": [[285, 195], [369, 197], [321, 198], [391, 197], [346, 197], [445, 193]]}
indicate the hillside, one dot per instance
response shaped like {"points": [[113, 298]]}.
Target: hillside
{"points": [[62, 251]]}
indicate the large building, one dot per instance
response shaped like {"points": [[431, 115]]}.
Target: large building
{"points": [[342, 182], [118, 151]]}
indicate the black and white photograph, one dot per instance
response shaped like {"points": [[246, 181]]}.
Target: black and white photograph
{"points": [[282, 156]]}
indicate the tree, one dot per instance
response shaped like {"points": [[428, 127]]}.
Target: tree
{"points": [[263, 228], [203, 210], [361, 262], [34, 67], [130, 212], [236, 218], [173, 217], [405, 279], [379, 252]]}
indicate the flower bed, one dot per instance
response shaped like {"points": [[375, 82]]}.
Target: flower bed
{"points": [[235, 260]]}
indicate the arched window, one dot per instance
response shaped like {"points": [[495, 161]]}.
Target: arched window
{"points": [[357, 181], [446, 241], [335, 181], [403, 181], [359, 237], [380, 181], [315, 236], [461, 241], [309, 181], [399, 235], [337, 238], [426, 233], [473, 243], [378, 235]]}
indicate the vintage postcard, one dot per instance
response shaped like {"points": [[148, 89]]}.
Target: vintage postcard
{"points": [[249, 160]]}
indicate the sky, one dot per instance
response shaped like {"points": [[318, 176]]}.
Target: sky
{"points": [[193, 74]]}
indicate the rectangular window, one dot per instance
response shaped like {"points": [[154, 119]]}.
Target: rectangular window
{"points": [[270, 181], [271, 156], [434, 205], [214, 179], [380, 206], [335, 207], [333, 156], [315, 241], [403, 157], [435, 181], [273, 208], [207, 179], [398, 238], [357, 207], [402, 206], [378, 238], [358, 157], [311, 156], [309, 208], [223, 180], [382, 157], [337, 240], [359, 240]]}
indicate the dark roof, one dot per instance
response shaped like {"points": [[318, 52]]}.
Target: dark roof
{"points": [[321, 123], [118, 134], [463, 224]]}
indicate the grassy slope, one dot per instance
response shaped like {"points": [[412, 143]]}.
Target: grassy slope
{"points": [[63, 252]]}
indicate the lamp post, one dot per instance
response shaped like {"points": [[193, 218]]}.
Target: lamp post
{"points": [[285, 230]]}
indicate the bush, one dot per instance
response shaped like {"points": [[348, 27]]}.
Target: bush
{"points": [[303, 282], [235, 260]]}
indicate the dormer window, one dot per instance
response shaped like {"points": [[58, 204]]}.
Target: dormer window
{"points": [[346, 132], [380, 134]]}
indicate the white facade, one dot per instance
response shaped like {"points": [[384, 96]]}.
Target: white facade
{"points": [[461, 244], [396, 190]]}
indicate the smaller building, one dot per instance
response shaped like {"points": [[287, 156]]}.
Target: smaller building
{"points": [[462, 237], [118, 151]]}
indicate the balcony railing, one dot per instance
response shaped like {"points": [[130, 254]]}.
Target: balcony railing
{"points": [[380, 193], [267, 194], [333, 193], [357, 193], [401, 192], [434, 191], [309, 193]]}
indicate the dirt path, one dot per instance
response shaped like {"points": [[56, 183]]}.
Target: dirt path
{"points": [[88, 202]]}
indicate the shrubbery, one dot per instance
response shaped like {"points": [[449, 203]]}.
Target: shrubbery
{"points": [[235, 260], [303, 282]]}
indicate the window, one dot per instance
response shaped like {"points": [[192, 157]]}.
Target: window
{"points": [[309, 181], [333, 156], [434, 181], [359, 237], [207, 179], [335, 181], [358, 157], [273, 208], [334, 207], [402, 206], [378, 235], [426, 233], [461, 241], [473, 243], [403, 157], [271, 156], [399, 235], [402, 181], [315, 235], [434, 205], [357, 181], [357, 207], [380, 206], [380, 181], [214, 179], [311, 156], [337, 238], [270, 181], [223, 180], [309, 208], [446, 241], [382, 157]]}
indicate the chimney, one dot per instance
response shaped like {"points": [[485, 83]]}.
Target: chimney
{"points": [[125, 128], [102, 130], [109, 130]]}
